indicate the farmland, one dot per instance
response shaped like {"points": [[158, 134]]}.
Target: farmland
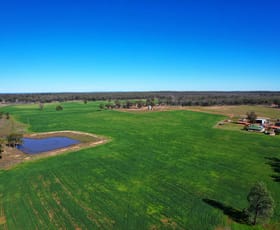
{"points": [[239, 111], [161, 170]]}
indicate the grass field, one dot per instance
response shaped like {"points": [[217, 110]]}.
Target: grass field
{"points": [[162, 170]]}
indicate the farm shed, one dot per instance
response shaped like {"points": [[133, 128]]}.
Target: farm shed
{"points": [[255, 127], [262, 121]]}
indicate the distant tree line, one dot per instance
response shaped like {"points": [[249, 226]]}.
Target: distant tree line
{"points": [[166, 98], [127, 104]]}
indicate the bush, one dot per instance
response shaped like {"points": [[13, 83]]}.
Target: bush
{"points": [[14, 139], [101, 106], [59, 108]]}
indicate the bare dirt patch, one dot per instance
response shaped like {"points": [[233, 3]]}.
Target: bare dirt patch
{"points": [[2, 220], [222, 228], [13, 156]]}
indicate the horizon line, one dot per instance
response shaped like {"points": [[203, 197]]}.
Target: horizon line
{"points": [[147, 91]]}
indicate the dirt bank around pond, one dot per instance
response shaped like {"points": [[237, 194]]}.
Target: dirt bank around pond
{"points": [[13, 156]]}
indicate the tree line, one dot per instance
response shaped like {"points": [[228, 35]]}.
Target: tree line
{"points": [[127, 104], [166, 97]]}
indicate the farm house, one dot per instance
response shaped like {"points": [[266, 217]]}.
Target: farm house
{"points": [[262, 121]]}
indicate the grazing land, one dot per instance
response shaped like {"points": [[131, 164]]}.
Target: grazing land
{"points": [[239, 111], [161, 170]]}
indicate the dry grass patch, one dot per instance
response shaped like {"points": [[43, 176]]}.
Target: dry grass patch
{"points": [[2, 220], [238, 110], [8, 126]]}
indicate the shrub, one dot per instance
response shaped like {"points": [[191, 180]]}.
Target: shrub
{"points": [[59, 108]]}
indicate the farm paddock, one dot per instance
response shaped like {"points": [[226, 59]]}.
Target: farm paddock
{"points": [[161, 170]]}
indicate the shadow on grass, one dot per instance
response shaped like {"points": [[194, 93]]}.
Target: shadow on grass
{"points": [[234, 214], [274, 163]]}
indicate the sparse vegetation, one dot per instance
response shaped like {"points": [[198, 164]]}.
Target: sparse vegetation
{"points": [[117, 104], [14, 139], [2, 142], [41, 106], [101, 106], [1, 150]]}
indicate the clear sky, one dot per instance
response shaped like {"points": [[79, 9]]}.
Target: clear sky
{"points": [[139, 45]]}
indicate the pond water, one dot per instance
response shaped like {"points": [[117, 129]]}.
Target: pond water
{"points": [[35, 145]]}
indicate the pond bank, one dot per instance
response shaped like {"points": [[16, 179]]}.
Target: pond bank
{"points": [[13, 156]]}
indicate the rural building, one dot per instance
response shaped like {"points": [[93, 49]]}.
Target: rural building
{"points": [[262, 121], [256, 128]]}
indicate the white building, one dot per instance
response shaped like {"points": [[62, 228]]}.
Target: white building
{"points": [[262, 121]]}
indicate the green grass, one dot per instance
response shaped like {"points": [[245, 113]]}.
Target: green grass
{"points": [[154, 174]]}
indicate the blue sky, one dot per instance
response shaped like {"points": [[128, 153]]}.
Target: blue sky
{"points": [[139, 45]]}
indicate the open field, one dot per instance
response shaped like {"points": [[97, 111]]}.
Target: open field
{"points": [[234, 111], [162, 170], [239, 110]]}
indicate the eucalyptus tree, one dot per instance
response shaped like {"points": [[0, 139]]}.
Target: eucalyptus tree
{"points": [[261, 204]]}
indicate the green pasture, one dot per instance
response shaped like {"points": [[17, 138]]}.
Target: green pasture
{"points": [[161, 170]]}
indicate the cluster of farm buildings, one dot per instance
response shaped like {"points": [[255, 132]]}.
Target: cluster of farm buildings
{"points": [[263, 125]]}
